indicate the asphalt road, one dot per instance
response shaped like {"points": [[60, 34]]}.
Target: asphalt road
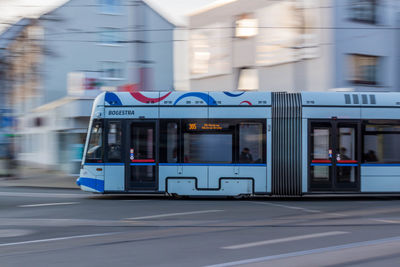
{"points": [[48, 227]]}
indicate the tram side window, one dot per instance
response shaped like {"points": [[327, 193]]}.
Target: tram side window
{"points": [[208, 142], [169, 149], [172, 142], [114, 142], [94, 152], [251, 143], [382, 143]]}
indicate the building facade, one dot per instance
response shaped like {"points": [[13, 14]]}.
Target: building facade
{"points": [[115, 42], [20, 55], [295, 45], [90, 46]]}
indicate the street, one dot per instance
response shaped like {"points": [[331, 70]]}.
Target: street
{"points": [[67, 227]]}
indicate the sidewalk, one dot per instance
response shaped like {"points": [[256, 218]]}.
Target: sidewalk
{"points": [[39, 178]]}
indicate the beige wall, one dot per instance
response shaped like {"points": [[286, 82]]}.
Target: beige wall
{"points": [[289, 64]]}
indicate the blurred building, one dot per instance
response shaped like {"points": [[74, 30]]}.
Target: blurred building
{"points": [[295, 45], [20, 55], [88, 46], [115, 42]]}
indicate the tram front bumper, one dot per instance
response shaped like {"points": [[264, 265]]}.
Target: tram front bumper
{"points": [[90, 184]]}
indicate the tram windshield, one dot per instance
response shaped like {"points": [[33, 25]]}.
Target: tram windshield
{"points": [[95, 146]]}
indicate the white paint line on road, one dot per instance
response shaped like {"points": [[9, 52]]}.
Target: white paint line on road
{"points": [[48, 204], [173, 214], [53, 239], [286, 206], [386, 221], [44, 194], [308, 252], [285, 239]]}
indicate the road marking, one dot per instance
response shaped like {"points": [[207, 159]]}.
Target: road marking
{"points": [[173, 214], [286, 206], [54, 239], [14, 232], [386, 221], [55, 195], [308, 252], [48, 204], [286, 239]]}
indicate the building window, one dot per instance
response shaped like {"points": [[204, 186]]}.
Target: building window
{"points": [[201, 56], [363, 69], [110, 6], [381, 142], [363, 10], [112, 70], [110, 36], [246, 26], [210, 50], [248, 79]]}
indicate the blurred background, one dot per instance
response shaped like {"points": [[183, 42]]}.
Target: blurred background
{"points": [[56, 56]]}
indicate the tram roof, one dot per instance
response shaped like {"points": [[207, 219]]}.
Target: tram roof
{"points": [[244, 98]]}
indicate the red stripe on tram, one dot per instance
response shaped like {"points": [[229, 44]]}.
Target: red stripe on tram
{"points": [[142, 160], [321, 161], [347, 161]]}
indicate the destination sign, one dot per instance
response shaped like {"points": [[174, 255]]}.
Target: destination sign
{"points": [[199, 126]]}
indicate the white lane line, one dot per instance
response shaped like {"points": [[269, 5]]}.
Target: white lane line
{"points": [[308, 252], [48, 204], [286, 239], [386, 221], [55, 195], [286, 206], [53, 239], [173, 214]]}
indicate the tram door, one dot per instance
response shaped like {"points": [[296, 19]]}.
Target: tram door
{"points": [[141, 156], [334, 163]]}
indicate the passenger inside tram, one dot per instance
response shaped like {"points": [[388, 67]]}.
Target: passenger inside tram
{"points": [[371, 156], [344, 172], [245, 156]]}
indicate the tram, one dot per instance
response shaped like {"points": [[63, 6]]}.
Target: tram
{"points": [[243, 143]]}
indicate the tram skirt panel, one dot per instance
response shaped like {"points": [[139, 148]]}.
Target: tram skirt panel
{"points": [[286, 144]]}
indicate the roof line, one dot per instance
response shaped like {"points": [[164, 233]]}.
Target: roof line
{"points": [[213, 5], [174, 20]]}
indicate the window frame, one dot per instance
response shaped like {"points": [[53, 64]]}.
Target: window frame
{"points": [[235, 138], [101, 161], [106, 132], [224, 131], [353, 71], [363, 132], [239, 27], [103, 70], [353, 18], [163, 157], [115, 33]]}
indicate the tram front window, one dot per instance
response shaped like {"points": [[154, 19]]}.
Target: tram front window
{"points": [[95, 147]]}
